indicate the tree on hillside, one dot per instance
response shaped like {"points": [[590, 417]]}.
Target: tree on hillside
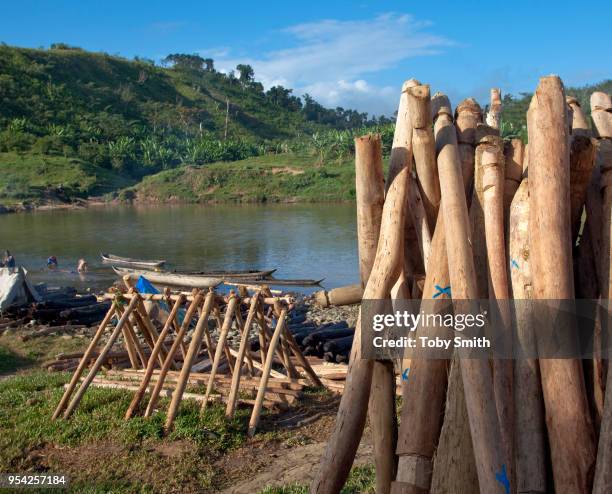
{"points": [[210, 65], [181, 61], [282, 97], [246, 74]]}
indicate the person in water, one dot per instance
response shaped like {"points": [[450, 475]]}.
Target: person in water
{"points": [[52, 262], [9, 260], [82, 266]]}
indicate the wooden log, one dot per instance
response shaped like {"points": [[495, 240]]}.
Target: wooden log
{"points": [[83, 363], [580, 126], [477, 379], [168, 361], [467, 117], [490, 158], [254, 420], [423, 413], [514, 152], [221, 343], [601, 111], [530, 452], [420, 222], [582, 160], [570, 430], [101, 358], [370, 192], [344, 295], [244, 339], [194, 347], [370, 195], [342, 446], [424, 150], [495, 109]]}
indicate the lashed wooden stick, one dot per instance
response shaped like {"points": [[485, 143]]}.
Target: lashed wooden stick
{"points": [[83, 362], [168, 361], [570, 430], [495, 109], [194, 348], [102, 357], [153, 358], [342, 446]]}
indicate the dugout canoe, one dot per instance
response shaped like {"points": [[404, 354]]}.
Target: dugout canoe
{"points": [[271, 282], [173, 279], [250, 274], [128, 262]]}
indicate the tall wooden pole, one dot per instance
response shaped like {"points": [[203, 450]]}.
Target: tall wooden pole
{"points": [[468, 115], [530, 452], [424, 147], [580, 125], [495, 109], [570, 430], [514, 151], [582, 160], [476, 373], [601, 112], [342, 446], [370, 193], [490, 158]]}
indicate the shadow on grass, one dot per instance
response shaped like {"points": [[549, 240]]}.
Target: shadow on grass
{"points": [[10, 362]]}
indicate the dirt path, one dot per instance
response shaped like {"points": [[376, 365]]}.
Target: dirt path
{"points": [[299, 465]]}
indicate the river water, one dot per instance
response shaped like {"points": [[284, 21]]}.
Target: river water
{"points": [[302, 241]]}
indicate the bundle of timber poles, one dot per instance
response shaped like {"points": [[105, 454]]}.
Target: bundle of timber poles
{"points": [[481, 218]]}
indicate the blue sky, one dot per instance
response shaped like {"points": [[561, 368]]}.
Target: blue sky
{"points": [[352, 54]]}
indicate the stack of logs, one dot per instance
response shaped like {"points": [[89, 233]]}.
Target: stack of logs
{"points": [[495, 220]]}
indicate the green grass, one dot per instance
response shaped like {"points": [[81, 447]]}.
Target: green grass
{"points": [[25, 177], [361, 480], [27, 402], [11, 361], [271, 178]]}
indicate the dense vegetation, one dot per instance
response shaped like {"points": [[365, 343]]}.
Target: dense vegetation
{"points": [[75, 123], [138, 118]]}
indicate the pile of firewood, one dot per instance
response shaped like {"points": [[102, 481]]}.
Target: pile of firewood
{"points": [[495, 220]]}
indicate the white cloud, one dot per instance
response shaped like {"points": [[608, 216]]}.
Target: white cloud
{"points": [[331, 59]]}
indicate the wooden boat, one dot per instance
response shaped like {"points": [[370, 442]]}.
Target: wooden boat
{"points": [[174, 279], [132, 263], [251, 274], [272, 282]]}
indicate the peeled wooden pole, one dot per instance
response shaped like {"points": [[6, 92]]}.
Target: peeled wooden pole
{"points": [[582, 159], [83, 363], [419, 219], [570, 430], [194, 348], [491, 159], [153, 358], [476, 373], [530, 452], [425, 391], [342, 446], [514, 151], [101, 357], [424, 150], [580, 126], [343, 295], [227, 324], [370, 193], [601, 107], [495, 109], [168, 361], [467, 117]]}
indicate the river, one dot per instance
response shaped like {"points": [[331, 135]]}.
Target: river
{"points": [[301, 241]]}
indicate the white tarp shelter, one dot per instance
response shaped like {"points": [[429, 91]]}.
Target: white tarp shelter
{"points": [[15, 289]]}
